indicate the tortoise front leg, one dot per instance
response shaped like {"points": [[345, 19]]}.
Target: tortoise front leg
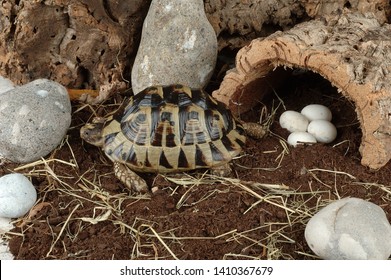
{"points": [[128, 177], [254, 130]]}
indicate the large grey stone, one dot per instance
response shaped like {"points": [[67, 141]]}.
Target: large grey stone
{"points": [[5, 85], [350, 228], [178, 45], [34, 118]]}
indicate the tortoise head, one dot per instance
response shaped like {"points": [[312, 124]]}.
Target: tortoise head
{"points": [[92, 133]]}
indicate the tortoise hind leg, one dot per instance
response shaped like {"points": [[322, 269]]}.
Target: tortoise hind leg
{"points": [[221, 170], [131, 180]]}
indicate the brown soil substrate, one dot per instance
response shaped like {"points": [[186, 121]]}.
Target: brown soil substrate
{"points": [[83, 211]]}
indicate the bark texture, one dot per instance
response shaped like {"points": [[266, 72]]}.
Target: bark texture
{"points": [[352, 51], [238, 21], [79, 43], [92, 43]]}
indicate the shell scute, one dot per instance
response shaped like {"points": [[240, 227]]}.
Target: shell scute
{"points": [[174, 128], [182, 160], [164, 162]]}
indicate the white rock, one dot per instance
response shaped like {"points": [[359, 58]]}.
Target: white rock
{"points": [[5, 253], [178, 45], [317, 112], [350, 228], [34, 118], [324, 131], [5, 226], [300, 138], [293, 121], [17, 195], [5, 85]]}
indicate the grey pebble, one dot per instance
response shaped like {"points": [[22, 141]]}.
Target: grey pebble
{"points": [[34, 119], [178, 45]]}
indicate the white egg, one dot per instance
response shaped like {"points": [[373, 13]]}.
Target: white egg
{"points": [[324, 131], [17, 195], [300, 138], [293, 121], [317, 112]]}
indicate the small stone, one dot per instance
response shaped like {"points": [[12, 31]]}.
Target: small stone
{"points": [[34, 119], [17, 195], [178, 46], [5, 253], [350, 229], [5, 226]]}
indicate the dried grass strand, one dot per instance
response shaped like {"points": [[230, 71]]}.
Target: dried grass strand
{"points": [[62, 230]]}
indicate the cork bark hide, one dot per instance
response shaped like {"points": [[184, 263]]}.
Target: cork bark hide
{"points": [[78, 43], [238, 21], [92, 43], [352, 51]]}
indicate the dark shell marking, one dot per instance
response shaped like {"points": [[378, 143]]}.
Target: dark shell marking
{"points": [[173, 128]]}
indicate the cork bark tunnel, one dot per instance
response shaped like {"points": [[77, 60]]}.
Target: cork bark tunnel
{"points": [[352, 51]]}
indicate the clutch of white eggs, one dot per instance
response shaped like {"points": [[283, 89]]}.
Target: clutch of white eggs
{"points": [[311, 125]]}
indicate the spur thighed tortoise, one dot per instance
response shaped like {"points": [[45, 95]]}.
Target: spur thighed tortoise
{"points": [[167, 129]]}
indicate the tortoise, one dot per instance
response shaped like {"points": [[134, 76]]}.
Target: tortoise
{"points": [[167, 129]]}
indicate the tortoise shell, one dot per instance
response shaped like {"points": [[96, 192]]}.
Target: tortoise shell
{"points": [[173, 128]]}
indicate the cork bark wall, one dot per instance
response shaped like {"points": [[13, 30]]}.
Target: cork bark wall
{"points": [[239, 21], [92, 43], [352, 51], [79, 43]]}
